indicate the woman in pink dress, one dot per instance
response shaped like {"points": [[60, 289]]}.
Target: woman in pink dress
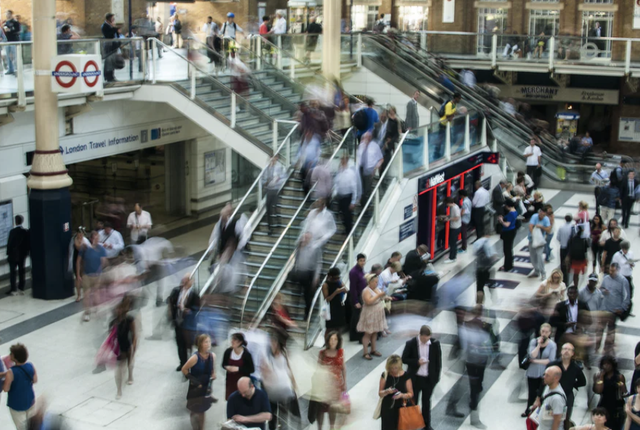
{"points": [[331, 359]]}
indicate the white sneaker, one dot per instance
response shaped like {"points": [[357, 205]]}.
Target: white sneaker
{"points": [[14, 293], [21, 292], [449, 261], [86, 318]]}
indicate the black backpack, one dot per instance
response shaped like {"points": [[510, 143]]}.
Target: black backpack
{"points": [[443, 108], [361, 120]]}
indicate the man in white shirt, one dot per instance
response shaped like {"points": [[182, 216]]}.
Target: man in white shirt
{"points": [[389, 281], [599, 178], [228, 32], [229, 232], [370, 159], [139, 222], [625, 260], [345, 189], [112, 241], [210, 30], [533, 155], [455, 223], [280, 25], [320, 223], [481, 199]]}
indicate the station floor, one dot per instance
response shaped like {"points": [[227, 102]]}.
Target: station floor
{"points": [[63, 349]]}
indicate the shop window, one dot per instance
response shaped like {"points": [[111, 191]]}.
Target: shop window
{"points": [[490, 22], [596, 25], [413, 18], [364, 16]]}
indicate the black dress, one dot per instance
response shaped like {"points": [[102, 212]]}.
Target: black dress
{"points": [[609, 401], [390, 410], [636, 372], [338, 318]]}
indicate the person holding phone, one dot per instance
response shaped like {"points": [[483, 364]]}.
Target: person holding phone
{"points": [[333, 291], [542, 350], [395, 386]]}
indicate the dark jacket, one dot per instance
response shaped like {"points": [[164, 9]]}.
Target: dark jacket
{"points": [[110, 32], [192, 303], [498, 198], [412, 263], [411, 357], [625, 189], [18, 245], [559, 319], [247, 362], [572, 377]]}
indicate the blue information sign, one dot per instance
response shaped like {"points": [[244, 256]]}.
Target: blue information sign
{"points": [[408, 211], [407, 229]]}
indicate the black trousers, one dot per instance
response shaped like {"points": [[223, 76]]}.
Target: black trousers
{"points": [[476, 377], [422, 384], [272, 201], [508, 237], [287, 413], [354, 334], [304, 278], [531, 171], [482, 278], [564, 253], [596, 193], [534, 385], [627, 204], [477, 217], [367, 183], [453, 243], [16, 266], [344, 201], [181, 342]]}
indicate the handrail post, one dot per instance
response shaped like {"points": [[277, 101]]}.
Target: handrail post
{"points": [[400, 161], [100, 90], [288, 153], [627, 58], [359, 50], [376, 207], [484, 131], [467, 137], [552, 52], [154, 63], [234, 102], [22, 96], [274, 140], [292, 70], [143, 58], [494, 51], [425, 155], [259, 193], [423, 40], [279, 60], [447, 147], [192, 76], [259, 53]]}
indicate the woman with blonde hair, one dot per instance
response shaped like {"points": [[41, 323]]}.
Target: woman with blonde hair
{"points": [[551, 291], [395, 388], [372, 317]]}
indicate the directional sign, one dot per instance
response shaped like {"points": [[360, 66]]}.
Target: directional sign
{"points": [[520, 270], [502, 283]]}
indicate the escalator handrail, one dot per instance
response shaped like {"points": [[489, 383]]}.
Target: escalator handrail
{"points": [[262, 310], [246, 195]]}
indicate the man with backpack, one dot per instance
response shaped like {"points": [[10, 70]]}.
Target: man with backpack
{"points": [[229, 30], [365, 118], [553, 403], [446, 112]]}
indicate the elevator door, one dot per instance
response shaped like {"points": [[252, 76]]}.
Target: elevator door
{"points": [[175, 178]]}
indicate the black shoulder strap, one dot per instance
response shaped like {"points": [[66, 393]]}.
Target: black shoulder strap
{"points": [[25, 372], [553, 393]]}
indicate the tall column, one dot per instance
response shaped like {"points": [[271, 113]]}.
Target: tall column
{"points": [[49, 197], [331, 10]]}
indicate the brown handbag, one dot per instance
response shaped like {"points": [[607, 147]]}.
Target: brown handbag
{"points": [[410, 417]]}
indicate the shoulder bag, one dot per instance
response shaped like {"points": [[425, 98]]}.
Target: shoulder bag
{"points": [[378, 410], [537, 238], [410, 417]]}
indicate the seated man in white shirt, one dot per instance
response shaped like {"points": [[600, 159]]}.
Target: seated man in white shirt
{"points": [[111, 240], [390, 282]]}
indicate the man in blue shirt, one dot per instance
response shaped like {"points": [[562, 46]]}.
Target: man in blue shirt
{"points": [[249, 405], [91, 260], [538, 221], [372, 118]]}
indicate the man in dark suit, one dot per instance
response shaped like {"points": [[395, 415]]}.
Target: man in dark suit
{"points": [[109, 31], [18, 248], [184, 303], [569, 317], [628, 195], [497, 201], [423, 357], [414, 262]]}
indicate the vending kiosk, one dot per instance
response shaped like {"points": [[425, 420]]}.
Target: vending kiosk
{"points": [[434, 188]]}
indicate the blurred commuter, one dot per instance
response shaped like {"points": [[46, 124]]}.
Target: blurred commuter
{"points": [[481, 199], [455, 223], [308, 155], [111, 240], [578, 248], [273, 179], [91, 262], [597, 227], [611, 246], [139, 222], [539, 226], [615, 289], [541, 351], [321, 177], [249, 405], [533, 157], [211, 32], [200, 371], [485, 257], [564, 235], [109, 31], [508, 234], [229, 232], [127, 343], [372, 317], [330, 380], [177, 32], [320, 223], [365, 118], [395, 387], [78, 241], [238, 362], [357, 284], [395, 127], [626, 263], [610, 384], [280, 385], [18, 384], [552, 220], [184, 303], [370, 159], [313, 30], [628, 195], [609, 198], [412, 120], [415, 260], [18, 249], [333, 292], [240, 73], [345, 190], [423, 357], [306, 268], [600, 179]]}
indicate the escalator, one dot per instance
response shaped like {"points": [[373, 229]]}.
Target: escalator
{"points": [[406, 65]]}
